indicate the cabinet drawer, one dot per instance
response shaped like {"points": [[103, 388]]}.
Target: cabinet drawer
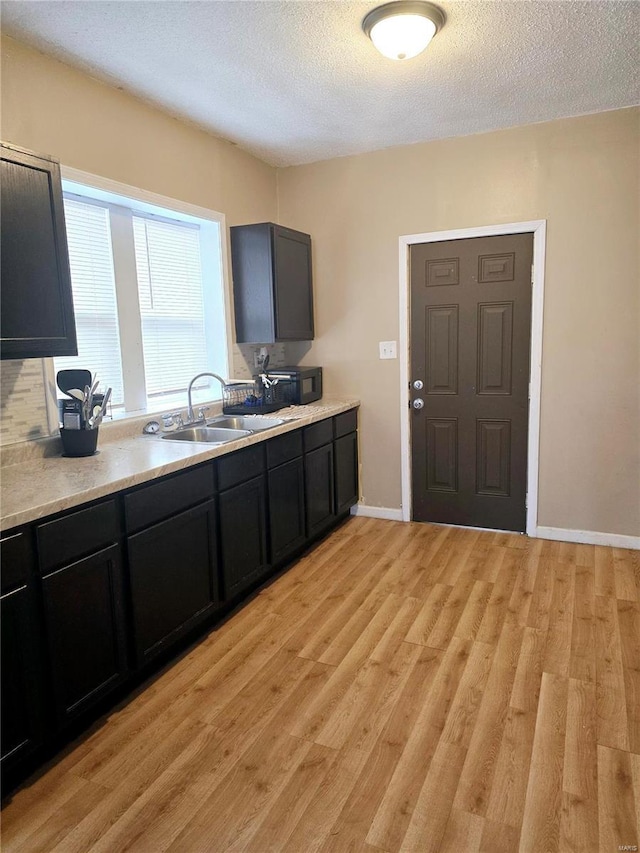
{"points": [[15, 559], [318, 434], [284, 448], [158, 501], [75, 535], [345, 423], [240, 466]]}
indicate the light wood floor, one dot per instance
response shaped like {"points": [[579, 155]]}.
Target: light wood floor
{"points": [[403, 687]]}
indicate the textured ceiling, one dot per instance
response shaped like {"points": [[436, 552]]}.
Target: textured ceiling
{"points": [[297, 81]]}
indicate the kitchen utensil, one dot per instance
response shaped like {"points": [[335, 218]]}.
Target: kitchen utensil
{"points": [[67, 379], [97, 419], [76, 393]]}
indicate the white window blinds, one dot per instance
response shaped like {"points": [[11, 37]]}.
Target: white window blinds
{"points": [[169, 275], [94, 295]]}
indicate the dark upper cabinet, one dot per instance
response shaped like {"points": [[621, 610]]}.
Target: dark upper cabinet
{"points": [[272, 288], [37, 317]]}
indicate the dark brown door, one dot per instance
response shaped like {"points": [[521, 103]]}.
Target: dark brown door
{"points": [[470, 334]]}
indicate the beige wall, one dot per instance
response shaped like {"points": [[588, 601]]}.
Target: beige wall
{"points": [[582, 176], [51, 108]]}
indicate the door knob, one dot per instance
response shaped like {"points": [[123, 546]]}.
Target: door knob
{"points": [[418, 384], [418, 403]]}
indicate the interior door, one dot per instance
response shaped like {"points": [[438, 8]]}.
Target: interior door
{"points": [[470, 343]]}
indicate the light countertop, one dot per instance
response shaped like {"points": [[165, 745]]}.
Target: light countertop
{"points": [[41, 485]]}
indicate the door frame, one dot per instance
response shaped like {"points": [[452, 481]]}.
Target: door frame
{"points": [[537, 227]]}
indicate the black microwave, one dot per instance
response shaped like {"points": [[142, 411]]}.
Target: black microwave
{"points": [[299, 385]]}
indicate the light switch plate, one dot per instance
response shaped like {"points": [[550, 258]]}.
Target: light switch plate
{"points": [[388, 349]]}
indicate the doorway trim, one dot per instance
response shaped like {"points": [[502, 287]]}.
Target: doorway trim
{"points": [[537, 227]]}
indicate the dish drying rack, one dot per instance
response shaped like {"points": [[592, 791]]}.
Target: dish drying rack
{"points": [[253, 398]]}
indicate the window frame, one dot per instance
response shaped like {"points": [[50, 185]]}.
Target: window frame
{"points": [[107, 191]]}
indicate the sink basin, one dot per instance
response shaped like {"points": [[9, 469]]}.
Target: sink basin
{"points": [[209, 435], [253, 423]]}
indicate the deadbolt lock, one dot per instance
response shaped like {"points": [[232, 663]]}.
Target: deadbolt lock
{"points": [[418, 384]]}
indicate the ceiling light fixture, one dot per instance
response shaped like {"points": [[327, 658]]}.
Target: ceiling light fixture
{"points": [[402, 29]]}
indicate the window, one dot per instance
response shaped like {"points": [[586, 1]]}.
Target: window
{"points": [[148, 295]]}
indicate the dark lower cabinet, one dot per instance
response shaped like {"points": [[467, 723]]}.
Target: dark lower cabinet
{"points": [[319, 489], [243, 536], [346, 471], [22, 677], [286, 509], [173, 578], [71, 611], [84, 629]]}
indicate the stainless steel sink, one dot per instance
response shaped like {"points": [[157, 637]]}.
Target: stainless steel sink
{"points": [[206, 434], [253, 423]]}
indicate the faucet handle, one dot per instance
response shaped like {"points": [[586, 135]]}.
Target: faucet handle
{"points": [[201, 411], [172, 419]]}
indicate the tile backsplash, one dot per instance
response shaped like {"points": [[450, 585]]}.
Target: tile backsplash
{"points": [[23, 409]]}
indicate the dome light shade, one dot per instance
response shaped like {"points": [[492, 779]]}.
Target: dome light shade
{"points": [[403, 29]]}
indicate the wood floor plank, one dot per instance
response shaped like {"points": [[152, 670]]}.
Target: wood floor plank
{"points": [[528, 678], [476, 779], [557, 653], [511, 775], [474, 610], [629, 623], [312, 721], [432, 809], [541, 819], [356, 816], [281, 819], [625, 563], [613, 728], [582, 664], [429, 614], [605, 572], [392, 818], [319, 717], [450, 614], [501, 591], [616, 798], [580, 776], [579, 824], [462, 832], [499, 838]]}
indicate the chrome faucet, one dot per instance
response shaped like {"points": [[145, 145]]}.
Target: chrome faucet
{"points": [[190, 417]]}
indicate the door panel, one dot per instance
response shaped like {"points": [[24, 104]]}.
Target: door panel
{"points": [[470, 341]]}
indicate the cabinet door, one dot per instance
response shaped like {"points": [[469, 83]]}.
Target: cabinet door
{"points": [[286, 509], [172, 568], [243, 539], [37, 305], [292, 279], [22, 676], [84, 628], [346, 471], [319, 480]]}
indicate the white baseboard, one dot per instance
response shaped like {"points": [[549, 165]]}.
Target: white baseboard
{"points": [[390, 513], [589, 537]]}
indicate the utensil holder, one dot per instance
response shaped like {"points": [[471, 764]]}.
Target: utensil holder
{"points": [[79, 442]]}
